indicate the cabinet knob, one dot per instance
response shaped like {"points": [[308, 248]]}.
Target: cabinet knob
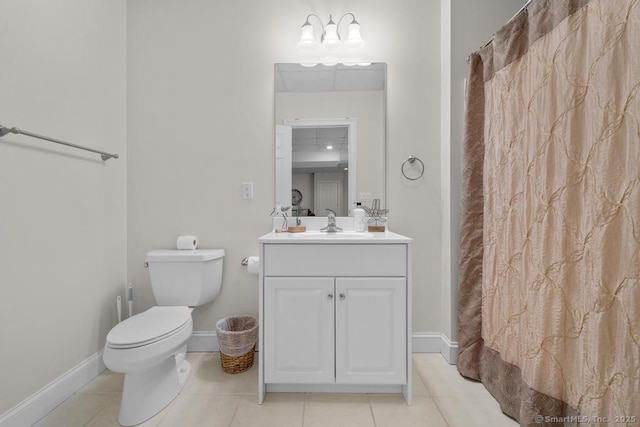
{"points": [[330, 296], [342, 296]]}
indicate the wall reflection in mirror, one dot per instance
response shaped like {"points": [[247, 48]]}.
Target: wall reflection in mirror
{"points": [[330, 137]]}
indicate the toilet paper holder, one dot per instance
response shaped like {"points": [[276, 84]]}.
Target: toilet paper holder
{"points": [[252, 263]]}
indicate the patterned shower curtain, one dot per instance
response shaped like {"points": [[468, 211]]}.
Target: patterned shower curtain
{"points": [[549, 309]]}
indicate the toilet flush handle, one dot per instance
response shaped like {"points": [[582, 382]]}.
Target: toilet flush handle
{"points": [[146, 264]]}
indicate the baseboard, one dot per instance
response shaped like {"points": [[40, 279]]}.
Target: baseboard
{"points": [[423, 342], [426, 342], [203, 341], [449, 350], [39, 404]]}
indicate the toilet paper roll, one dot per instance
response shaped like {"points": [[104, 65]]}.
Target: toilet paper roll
{"points": [[253, 265], [187, 242]]}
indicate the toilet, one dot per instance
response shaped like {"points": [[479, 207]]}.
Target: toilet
{"points": [[150, 347]]}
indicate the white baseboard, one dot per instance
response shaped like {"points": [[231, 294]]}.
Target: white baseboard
{"points": [[44, 400], [423, 342], [435, 342], [426, 342], [203, 341], [449, 350]]}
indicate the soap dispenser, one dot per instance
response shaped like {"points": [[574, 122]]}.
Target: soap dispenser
{"points": [[359, 217]]}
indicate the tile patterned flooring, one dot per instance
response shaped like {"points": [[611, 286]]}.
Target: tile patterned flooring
{"points": [[213, 398]]}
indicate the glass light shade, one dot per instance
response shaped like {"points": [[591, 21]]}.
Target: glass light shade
{"points": [[330, 61], [307, 39], [331, 39], [354, 39]]}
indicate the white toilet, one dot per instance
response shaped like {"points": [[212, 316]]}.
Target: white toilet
{"points": [[150, 347]]}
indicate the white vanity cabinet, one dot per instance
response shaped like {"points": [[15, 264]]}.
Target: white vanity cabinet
{"points": [[371, 332], [298, 330], [343, 330], [335, 314]]}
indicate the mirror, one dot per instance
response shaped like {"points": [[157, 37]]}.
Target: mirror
{"points": [[330, 137]]}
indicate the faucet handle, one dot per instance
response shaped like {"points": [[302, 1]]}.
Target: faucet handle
{"points": [[331, 211]]}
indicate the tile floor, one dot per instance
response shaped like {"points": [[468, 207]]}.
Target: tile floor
{"points": [[213, 398]]}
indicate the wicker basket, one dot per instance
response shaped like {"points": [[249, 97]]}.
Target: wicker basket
{"points": [[235, 365], [237, 338]]}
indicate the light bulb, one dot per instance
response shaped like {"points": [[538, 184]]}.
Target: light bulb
{"points": [[354, 39], [331, 38], [307, 39]]}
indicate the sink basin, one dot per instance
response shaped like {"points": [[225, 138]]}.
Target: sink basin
{"points": [[339, 237], [334, 235]]}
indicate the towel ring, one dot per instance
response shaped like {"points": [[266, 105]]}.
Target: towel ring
{"points": [[411, 160]]}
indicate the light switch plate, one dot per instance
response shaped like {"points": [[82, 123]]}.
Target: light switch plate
{"points": [[247, 190]]}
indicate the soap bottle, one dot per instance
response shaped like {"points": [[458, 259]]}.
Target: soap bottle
{"points": [[359, 217]]}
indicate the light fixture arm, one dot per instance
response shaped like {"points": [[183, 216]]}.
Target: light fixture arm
{"points": [[306, 22], [352, 15]]}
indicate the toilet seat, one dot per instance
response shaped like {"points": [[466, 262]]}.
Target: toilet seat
{"points": [[148, 327]]}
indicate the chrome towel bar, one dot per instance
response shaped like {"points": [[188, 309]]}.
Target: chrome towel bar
{"points": [[5, 130]]}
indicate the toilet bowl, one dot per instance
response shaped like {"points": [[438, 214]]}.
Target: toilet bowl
{"points": [[150, 347]]}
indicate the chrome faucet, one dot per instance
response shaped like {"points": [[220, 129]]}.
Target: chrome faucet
{"points": [[331, 226]]}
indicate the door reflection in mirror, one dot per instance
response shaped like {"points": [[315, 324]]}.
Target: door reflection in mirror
{"points": [[330, 136]]}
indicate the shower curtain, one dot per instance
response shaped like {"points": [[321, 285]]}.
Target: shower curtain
{"points": [[549, 306]]}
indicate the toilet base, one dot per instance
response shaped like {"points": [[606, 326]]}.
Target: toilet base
{"points": [[146, 392]]}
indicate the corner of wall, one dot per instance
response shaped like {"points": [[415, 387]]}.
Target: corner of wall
{"points": [[445, 162]]}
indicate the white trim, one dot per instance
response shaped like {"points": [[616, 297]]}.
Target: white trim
{"points": [[39, 404], [203, 341], [335, 388], [435, 342], [427, 342], [446, 302], [421, 342], [449, 350]]}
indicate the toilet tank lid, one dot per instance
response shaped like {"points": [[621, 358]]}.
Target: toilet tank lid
{"points": [[179, 255]]}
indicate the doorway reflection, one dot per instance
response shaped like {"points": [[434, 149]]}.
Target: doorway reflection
{"points": [[320, 165]]}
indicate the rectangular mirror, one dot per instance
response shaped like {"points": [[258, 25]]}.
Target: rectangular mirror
{"points": [[330, 137]]}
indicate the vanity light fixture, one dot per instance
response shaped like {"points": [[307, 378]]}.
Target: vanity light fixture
{"points": [[330, 38], [329, 147]]}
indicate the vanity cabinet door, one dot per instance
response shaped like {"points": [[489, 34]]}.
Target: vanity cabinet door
{"points": [[371, 338], [298, 329]]}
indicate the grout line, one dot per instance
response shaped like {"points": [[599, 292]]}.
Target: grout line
{"points": [[98, 412], [435, 401], [304, 407], [239, 401], [373, 416]]}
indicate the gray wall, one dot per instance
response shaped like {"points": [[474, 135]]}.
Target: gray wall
{"points": [[201, 122], [62, 211]]}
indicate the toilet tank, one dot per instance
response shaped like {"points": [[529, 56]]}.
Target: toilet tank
{"points": [[185, 277]]}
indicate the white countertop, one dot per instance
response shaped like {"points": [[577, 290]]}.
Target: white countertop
{"points": [[341, 237]]}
